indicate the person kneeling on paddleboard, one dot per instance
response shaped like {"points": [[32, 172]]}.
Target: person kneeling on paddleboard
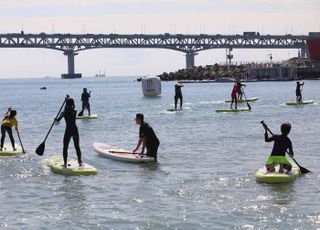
{"points": [[69, 115], [281, 144], [8, 122], [147, 138]]}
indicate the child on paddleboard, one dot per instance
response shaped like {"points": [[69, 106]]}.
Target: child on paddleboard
{"points": [[69, 114], [281, 144], [147, 137], [7, 123]]}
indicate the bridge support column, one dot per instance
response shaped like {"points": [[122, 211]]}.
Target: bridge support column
{"points": [[70, 73], [190, 59], [304, 52]]}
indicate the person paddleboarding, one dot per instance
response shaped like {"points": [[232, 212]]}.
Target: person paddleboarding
{"points": [[298, 91], [178, 95], [240, 92], [234, 94], [69, 114], [282, 143], [147, 138], [7, 123], [85, 101]]}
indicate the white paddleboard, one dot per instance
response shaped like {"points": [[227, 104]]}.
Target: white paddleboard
{"points": [[85, 117], [108, 151]]}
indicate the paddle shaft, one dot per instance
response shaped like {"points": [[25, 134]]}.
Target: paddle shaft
{"points": [[249, 106], [125, 152], [54, 121], [21, 143]]}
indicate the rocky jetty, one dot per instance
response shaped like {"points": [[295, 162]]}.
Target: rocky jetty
{"points": [[208, 72]]}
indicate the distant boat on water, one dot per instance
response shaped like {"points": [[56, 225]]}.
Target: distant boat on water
{"points": [[101, 74]]}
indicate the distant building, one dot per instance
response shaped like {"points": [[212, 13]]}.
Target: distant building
{"points": [[272, 72]]}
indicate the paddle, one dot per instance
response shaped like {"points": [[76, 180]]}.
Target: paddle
{"points": [[111, 151], [249, 106], [80, 113], [302, 169], [41, 147], [21, 143]]}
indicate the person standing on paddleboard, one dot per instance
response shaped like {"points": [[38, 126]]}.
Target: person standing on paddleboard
{"points": [[178, 95], [298, 91], [281, 144], [7, 123], [234, 96], [147, 137], [69, 114], [85, 101], [240, 92]]}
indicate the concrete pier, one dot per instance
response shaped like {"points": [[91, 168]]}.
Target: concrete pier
{"points": [[190, 59], [71, 74]]}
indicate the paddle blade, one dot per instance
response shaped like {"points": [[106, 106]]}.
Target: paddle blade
{"points": [[40, 149], [249, 106], [80, 114], [302, 169]]}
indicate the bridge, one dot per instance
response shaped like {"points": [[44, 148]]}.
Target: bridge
{"points": [[72, 44]]}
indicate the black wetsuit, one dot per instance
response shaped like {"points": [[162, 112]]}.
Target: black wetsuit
{"points": [[178, 95], [7, 129], [281, 144], [152, 144], [71, 131], [298, 89], [85, 101]]}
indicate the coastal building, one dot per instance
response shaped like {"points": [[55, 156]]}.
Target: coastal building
{"points": [[271, 72]]}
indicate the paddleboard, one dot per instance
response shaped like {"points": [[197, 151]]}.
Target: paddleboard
{"points": [[93, 116], [175, 110], [73, 169], [262, 175], [105, 150], [244, 100], [233, 110], [300, 103], [8, 151]]}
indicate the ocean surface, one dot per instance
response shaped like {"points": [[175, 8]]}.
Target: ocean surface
{"points": [[205, 175]]}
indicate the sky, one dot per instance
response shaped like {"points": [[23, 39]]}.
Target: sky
{"points": [[150, 17]]}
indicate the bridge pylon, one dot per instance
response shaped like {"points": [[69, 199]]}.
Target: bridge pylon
{"points": [[71, 73], [190, 59]]}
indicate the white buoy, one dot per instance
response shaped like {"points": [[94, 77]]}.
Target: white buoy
{"points": [[151, 86]]}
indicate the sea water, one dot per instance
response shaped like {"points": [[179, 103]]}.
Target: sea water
{"points": [[204, 178]]}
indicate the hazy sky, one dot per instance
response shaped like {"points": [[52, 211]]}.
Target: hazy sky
{"points": [[145, 16]]}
